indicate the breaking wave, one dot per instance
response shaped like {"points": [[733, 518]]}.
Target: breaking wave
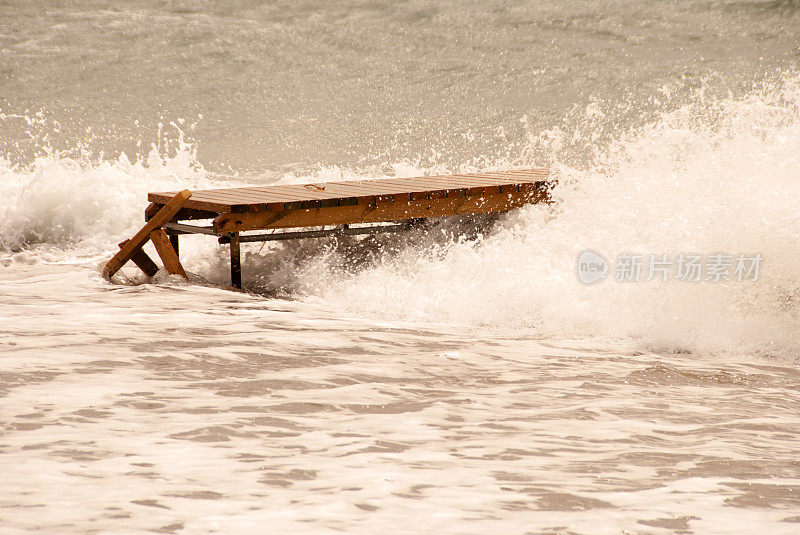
{"points": [[716, 175]]}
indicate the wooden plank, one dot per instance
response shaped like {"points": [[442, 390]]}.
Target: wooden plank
{"points": [[415, 190], [419, 188], [487, 179], [168, 255], [270, 197], [398, 211], [190, 214], [392, 185], [200, 206], [250, 195], [274, 197], [221, 197], [261, 197], [151, 210], [332, 190], [518, 175], [143, 261], [233, 196], [216, 203], [362, 193], [426, 186], [127, 251], [295, 192]]}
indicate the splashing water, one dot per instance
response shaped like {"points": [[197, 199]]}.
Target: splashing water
{"points": [[716, 175], [65, 206], [458, 378], [713, 176]]}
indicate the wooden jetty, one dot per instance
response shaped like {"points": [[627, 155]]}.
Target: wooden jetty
{"points": [[319, 209]]}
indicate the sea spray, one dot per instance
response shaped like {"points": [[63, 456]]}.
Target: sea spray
{"points": [[716, 175], [82, 204]]}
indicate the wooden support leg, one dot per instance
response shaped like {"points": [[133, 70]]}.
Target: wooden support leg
{"points": [[236, 261], [167, 253], [165, 214], [141, 259]]}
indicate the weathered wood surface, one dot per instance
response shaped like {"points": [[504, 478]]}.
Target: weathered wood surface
{"points": [[167, 253], [372, 213], [130, 248], [299, 206], [140, 258], [283, 198]]}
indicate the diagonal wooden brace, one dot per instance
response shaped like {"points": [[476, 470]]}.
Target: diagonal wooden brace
{"points": [[129, 249], [141, 259], [167, 253]]}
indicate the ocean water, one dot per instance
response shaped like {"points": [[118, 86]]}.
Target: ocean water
{"points": [[450, 380]]}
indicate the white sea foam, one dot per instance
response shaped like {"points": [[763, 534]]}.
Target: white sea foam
{"points": [[70, 207], [712, 176], [142, 406]]}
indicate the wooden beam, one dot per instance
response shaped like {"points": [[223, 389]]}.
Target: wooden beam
{"points": [[338, 231], [151, 210], [144, 262], [135, 244], [379, 212], [168, 255], [189, 213], [181, 228]]}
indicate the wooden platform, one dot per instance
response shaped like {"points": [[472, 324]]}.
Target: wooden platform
{"points": [[339, 204]]}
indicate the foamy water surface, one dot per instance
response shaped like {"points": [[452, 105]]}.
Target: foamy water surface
{"points": [[177, 408], [456, 379]]}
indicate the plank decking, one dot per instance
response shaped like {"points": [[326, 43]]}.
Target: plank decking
{"points": [[299, 206]]}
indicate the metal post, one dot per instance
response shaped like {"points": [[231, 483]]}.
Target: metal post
{"points": [[236, 261], [174, 240]]}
